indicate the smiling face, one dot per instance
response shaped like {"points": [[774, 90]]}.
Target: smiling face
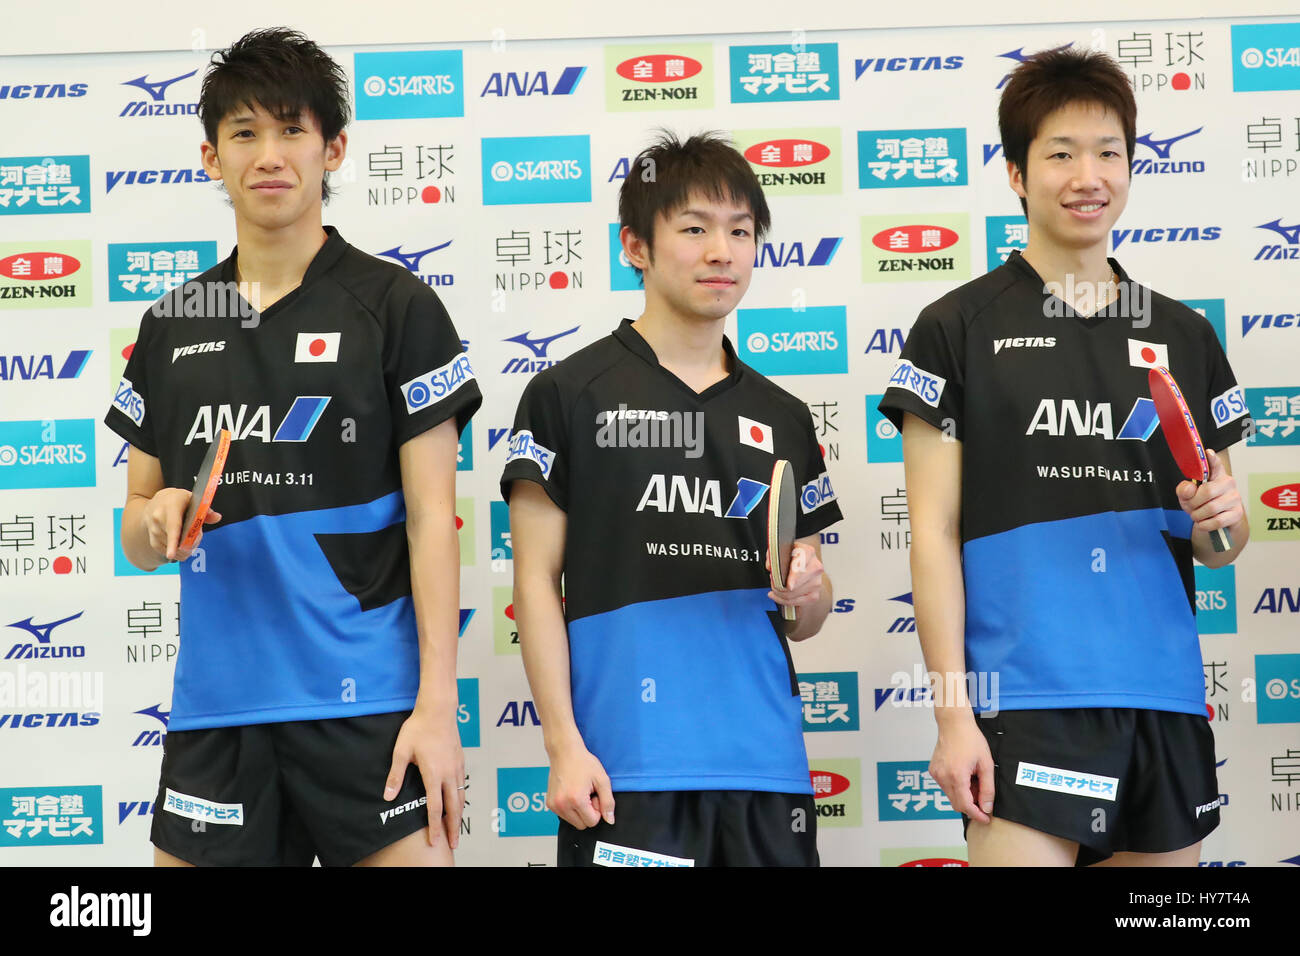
{"points": [[272, 168], [703, 258], [1077, 177]]}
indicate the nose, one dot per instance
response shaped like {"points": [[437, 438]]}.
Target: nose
{"points": [[1087, 173], [269, 155], [719, 246]]}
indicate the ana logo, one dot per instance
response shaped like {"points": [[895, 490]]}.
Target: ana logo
{"points": [[156, 105], [778, 74], [41, 91], [526, 84], [885, 341], [536, 169], [1276, 601], [409, 84], [1162, 164], [781, 153], [1266, 56], [43, 648], [37, 266], [900, 64], [519, 713], [254, 421], [42, 185], [1276, 250], [28, 367], [780, 255], [1170, 234], [538, 346], [47, 454], [152, 738], [1020, 56], [693, 495], [911, 157], [789, 342]]}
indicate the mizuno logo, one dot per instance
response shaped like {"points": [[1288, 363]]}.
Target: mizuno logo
{"points": [[539, 345], [159, 89], [1290, 233], [42, 631], [411, 259], [1161, 146], [1020, 56], [156, 712]]}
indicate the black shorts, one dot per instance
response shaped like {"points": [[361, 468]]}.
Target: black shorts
{"points": [[1110, 779], [283, 794], [698, 828]]}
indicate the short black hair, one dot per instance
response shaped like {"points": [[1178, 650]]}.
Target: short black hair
{"points": [[281, 71], [664, 175], [1048, 81]]}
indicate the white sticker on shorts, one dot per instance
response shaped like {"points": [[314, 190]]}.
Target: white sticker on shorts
{"points": [[609, 854], [196, 808], [1090, 785]]}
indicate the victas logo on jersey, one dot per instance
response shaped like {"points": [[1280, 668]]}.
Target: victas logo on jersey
{"points": [[1275, 250], [158, 104], [254, 421], [197, 348]]}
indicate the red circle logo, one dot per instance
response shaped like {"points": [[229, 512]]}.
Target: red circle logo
{"points": [[1181, 81], [62, 564], [559, 280], [431, 194]]}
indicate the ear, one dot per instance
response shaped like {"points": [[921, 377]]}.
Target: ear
{"points": [[1016, 178], [211, 164], [335, 150], [635, 248]]}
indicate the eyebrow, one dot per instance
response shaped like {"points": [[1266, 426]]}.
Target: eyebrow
{"points": [[1070, 140], [700, 214], [247, 118]]}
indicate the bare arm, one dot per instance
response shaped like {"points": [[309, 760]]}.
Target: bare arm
{"points": [[1215, 504], [932, 464], [151, 519], [537, 534], [808, 589]]}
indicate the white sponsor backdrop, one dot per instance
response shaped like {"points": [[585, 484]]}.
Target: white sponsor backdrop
{"points": [[480, 255]]}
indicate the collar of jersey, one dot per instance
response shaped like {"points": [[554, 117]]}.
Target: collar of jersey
{"points": [[633, 342], [325, 257], [1018, 262]]}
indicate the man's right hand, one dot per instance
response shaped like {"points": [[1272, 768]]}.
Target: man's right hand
{"points": [[162, 518], [578, 791], [963, 766]]}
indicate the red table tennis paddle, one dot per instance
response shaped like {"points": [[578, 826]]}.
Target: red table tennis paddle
{"points": [[205, 487], [1184, 440], [782, 500]]}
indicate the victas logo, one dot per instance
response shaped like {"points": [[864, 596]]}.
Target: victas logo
{"points": [[198, 348], [158, 104], [1269, 320], [56, 277], [539, 347], [911, 157], [254, 421], [1034, 342], [659, 78], [152, 177], [409, 84], [1216, 600], [906, 791], [830, 701], [906, 64], [778, 74], [411, 262], [44, 185], [41, 91], [1266, 56], [1276, 414], [935, 248], [788, 342], [1163, 164], [51, 816], [529, 84], [47, 454], [142, 271], [1275, 250], [133, 808], [780, 255], [536, 169], [39, 645], [26, 368], [694, 495], [1166, 234], [153, 737]]}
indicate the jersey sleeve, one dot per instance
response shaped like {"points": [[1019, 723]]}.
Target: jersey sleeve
{"points": [[539, 442], [1227, 419], [818, 506], [426, 370], [128, 415], [928, 379]]}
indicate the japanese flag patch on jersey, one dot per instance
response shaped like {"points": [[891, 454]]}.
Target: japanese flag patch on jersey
{"points": [[1148, 354], [755, 434], [317, 347]]}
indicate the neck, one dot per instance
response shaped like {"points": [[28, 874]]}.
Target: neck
{"points": [[277, 259], [1054, 263], [680, 343]]}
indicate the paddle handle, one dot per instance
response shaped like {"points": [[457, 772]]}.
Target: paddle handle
{"points": [[791, 614], [1221, 540]]}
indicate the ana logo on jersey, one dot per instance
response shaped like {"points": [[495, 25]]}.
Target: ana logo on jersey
{"points": [[670, 493], [1062, 417], [254, 421], [317, 347], [197, 348], [755, 434]]}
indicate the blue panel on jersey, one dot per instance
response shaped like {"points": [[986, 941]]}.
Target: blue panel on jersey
{"points": [[268, 633], [1084, 612], [689, 693]]}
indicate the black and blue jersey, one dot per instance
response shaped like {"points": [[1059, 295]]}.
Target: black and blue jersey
{"points": [[298, 605], [681, 676], [1077, 555]]}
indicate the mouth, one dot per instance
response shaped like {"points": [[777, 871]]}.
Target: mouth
{"points": [[717, 282], [273, 185], [1087, 208]]}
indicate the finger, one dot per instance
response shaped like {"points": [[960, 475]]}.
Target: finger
{"points": [[605, 799], [396, 771], [453, 811], [984, 771], [433, 803], [213, 517], [1216, 466]]}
